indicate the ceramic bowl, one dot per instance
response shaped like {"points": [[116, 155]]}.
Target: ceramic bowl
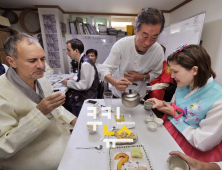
{"points": [[90, 129], [158, 121], [148, 119], [148, 105], [175, 162], [152, 126]]}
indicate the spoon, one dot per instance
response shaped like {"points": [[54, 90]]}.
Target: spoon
{"points": [[99, 147], [152, 116], [105, 135]]}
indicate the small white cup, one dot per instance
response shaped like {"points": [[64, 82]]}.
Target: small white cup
{"points": [[175, 162], [158, 121], [148, 105], [61, 92], [148, 119], [152, 126], [90, 129]]}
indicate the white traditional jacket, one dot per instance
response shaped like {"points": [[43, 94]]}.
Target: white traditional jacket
{"points": [[123, 57], [29, 140]]}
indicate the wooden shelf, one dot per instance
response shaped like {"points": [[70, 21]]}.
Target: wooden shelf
{"points": [[4, 34]]}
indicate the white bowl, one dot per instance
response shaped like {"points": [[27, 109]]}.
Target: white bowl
{"points": [[148, 119], [90, 129], [158, 121], [175, 162], [152, 126]]}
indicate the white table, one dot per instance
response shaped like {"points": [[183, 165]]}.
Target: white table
{"points": [[158, 144], [64, 76]]}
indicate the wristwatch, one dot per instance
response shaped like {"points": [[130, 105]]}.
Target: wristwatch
{"points": [[144, 77]]}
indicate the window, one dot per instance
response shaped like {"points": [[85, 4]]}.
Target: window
{"points": [[120, 25], [84, 19]]}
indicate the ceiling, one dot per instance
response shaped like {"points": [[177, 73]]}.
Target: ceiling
{"points": [[95, 6]]}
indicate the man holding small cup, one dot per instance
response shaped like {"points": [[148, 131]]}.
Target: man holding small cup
{"points": [[30, 136]]}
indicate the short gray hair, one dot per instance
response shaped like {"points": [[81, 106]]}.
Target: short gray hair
{"points": [[10, 45], [151, 16]]}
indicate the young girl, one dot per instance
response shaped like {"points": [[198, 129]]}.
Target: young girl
{"points": [[194, 116]]}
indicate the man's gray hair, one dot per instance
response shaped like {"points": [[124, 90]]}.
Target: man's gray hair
{"points": [[10, 45], [150, 16]]}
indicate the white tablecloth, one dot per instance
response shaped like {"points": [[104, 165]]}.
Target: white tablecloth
{"points": [[158, 144]]}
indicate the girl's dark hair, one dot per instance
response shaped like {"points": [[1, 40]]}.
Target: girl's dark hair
{"points": [[194, 55]]}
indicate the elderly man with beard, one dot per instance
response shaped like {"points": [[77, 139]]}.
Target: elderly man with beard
{"points": [[30, 136]]}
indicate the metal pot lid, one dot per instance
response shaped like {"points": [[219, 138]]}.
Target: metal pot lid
{"points": [[130, 95]]}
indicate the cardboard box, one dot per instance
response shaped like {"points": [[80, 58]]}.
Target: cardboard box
{"points": [[129, 29]]}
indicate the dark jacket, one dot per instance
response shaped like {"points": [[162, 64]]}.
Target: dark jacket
{"points": [[2, 69], [77, 98]]}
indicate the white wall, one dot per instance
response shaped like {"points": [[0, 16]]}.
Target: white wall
{"points": [[212, 29], [167, 19], [67, 60], [63, 18], [17, 26]]}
